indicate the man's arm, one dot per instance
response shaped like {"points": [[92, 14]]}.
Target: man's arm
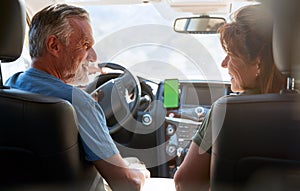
{"points": [[118, 175]]}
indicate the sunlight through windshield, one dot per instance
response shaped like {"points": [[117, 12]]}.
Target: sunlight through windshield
{"points": [[139, 38]]}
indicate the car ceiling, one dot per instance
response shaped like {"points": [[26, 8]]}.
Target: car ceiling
{"points": [[196, 7]]}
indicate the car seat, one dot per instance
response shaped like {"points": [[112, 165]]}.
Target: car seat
{"points": [[257, 146]]}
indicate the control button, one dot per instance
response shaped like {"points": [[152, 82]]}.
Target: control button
{"points": [[171, 115], [146, 119], [171, 150], [179, 151], [199, 111], [170, 130]]}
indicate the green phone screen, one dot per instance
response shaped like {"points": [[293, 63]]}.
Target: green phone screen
{"points": [[171, 93]]}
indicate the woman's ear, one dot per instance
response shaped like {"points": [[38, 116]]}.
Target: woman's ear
{"points": [[53, 45]]}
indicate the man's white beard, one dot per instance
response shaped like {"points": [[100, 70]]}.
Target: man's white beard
{"points": [[81, 76]]}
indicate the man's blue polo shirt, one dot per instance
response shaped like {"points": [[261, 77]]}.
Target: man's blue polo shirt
{"points": [[97, 142]]}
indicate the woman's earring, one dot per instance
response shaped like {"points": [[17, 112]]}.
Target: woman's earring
{"points": [[258, 70]]}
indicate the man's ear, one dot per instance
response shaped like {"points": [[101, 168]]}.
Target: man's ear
{"points": [[53, 45]]}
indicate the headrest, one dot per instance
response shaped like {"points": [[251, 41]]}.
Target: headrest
{"points": [[286, 41], [12, 29]]}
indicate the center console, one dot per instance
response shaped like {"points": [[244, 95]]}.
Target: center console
{"points": [[182, 122]]}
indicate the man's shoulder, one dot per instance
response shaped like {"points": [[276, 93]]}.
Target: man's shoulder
{"points": [[81, 93], [79, 96], [11, 80]]}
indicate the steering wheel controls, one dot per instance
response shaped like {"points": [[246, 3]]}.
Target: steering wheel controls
{"points": [[146, 119]]}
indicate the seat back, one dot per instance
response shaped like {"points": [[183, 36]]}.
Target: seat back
{"points": [[12, 25], [39, 142], [257, 146]]}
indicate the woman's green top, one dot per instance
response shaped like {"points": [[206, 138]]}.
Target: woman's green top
{"points": [[203, 137]]}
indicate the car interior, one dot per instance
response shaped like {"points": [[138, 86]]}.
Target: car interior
{"points": [[256, 147]]}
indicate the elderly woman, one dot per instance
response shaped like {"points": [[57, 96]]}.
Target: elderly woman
{"points": [[250, 63]]}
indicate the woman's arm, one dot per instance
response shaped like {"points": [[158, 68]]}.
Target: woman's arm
{"points": [[194, 172]]}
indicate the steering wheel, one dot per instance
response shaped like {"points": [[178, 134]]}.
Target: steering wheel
{"points": [[118, 94]]}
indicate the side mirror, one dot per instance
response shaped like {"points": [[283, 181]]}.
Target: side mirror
{"points": [[201, 25]]}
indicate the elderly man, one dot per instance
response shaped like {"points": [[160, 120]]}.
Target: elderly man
{"points": [[61, 41]]}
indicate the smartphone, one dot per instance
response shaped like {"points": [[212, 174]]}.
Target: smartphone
{"points": [[171, 97]]}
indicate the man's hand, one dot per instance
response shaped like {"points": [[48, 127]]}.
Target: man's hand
{"points": [[92, 69], [119, 176], [136, 164]]}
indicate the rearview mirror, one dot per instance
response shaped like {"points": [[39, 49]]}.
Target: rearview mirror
{"points": [[202, 24]]}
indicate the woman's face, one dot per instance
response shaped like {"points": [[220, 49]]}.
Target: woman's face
{"points": [[243, 75]]}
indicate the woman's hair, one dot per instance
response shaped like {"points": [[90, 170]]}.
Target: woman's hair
{"points": [[52, 20], [249, 37]]}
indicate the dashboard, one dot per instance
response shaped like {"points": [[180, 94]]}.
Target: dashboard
{"points": [[169, 113]]}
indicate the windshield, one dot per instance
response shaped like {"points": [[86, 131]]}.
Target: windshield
{"points": [[140, 38]]}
